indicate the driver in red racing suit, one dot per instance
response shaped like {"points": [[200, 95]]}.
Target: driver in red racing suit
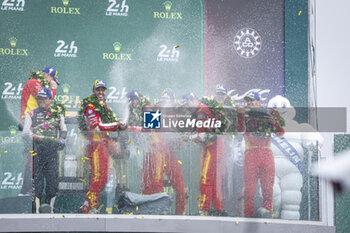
{"points": [[258, 163], [212, 154], [99, 147], [160, 160]]}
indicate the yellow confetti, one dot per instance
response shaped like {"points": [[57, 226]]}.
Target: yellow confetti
{"points": [[5, 151], [299, 12], [138, 151], [157, 212], [53, 138], [179, 162], [107, 132], [177, 46], [34, 154], [86, 158], [0, 155], [53, 216], [137, 208], [116, 206], [83, 160], [63, 216], [30, 151], [83, 180], [143, 216], [129, 141], [164, 164]]}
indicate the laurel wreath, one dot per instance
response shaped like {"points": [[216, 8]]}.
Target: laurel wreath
{"points": [[106, 114], [39, 75], [52, 117], [229, 102], [136, 114], [218, 112], [261, 126]]}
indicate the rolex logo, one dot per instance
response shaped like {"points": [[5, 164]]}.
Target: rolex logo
{"points": [[65, 88], [117, 46], [167, 5], [13, 41], [65, 2], [13, 129]]}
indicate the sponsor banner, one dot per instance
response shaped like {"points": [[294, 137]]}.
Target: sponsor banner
{"points": [[11, 153]]}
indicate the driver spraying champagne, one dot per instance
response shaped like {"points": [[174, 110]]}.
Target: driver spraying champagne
{"points": [[96, 120]]}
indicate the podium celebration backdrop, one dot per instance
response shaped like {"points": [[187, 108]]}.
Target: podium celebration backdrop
{"points": [[149, 45]]}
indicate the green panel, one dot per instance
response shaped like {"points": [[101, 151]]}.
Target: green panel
{"points": [[342, 200], [296, 52]]}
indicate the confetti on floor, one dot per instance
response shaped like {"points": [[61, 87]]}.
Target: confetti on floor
{"points": [[107, 132], [5, 151], [137, 208], [83, 180], [299, 12], [129, 141], [164, 164], [179, 162], [53, 138], [63, 216], [34, 154], [177, 46], [138, 151], [86, 158]]}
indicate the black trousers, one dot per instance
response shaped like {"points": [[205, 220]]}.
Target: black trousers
{"points": [[46, 167]]}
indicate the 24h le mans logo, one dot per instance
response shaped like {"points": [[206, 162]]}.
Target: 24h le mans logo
{"points": [[247, 43]]}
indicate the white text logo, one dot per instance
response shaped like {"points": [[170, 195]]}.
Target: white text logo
{"points": [[13, 5], [66, 50], [11, 91], [116, 96], [12, 181], [117, 8], [168, 55]]}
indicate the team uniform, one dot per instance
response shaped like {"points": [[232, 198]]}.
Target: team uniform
{"points": [[45, 162], [258, 164], [98, 154], [157, 162], [28, 103], [212, 153]]}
